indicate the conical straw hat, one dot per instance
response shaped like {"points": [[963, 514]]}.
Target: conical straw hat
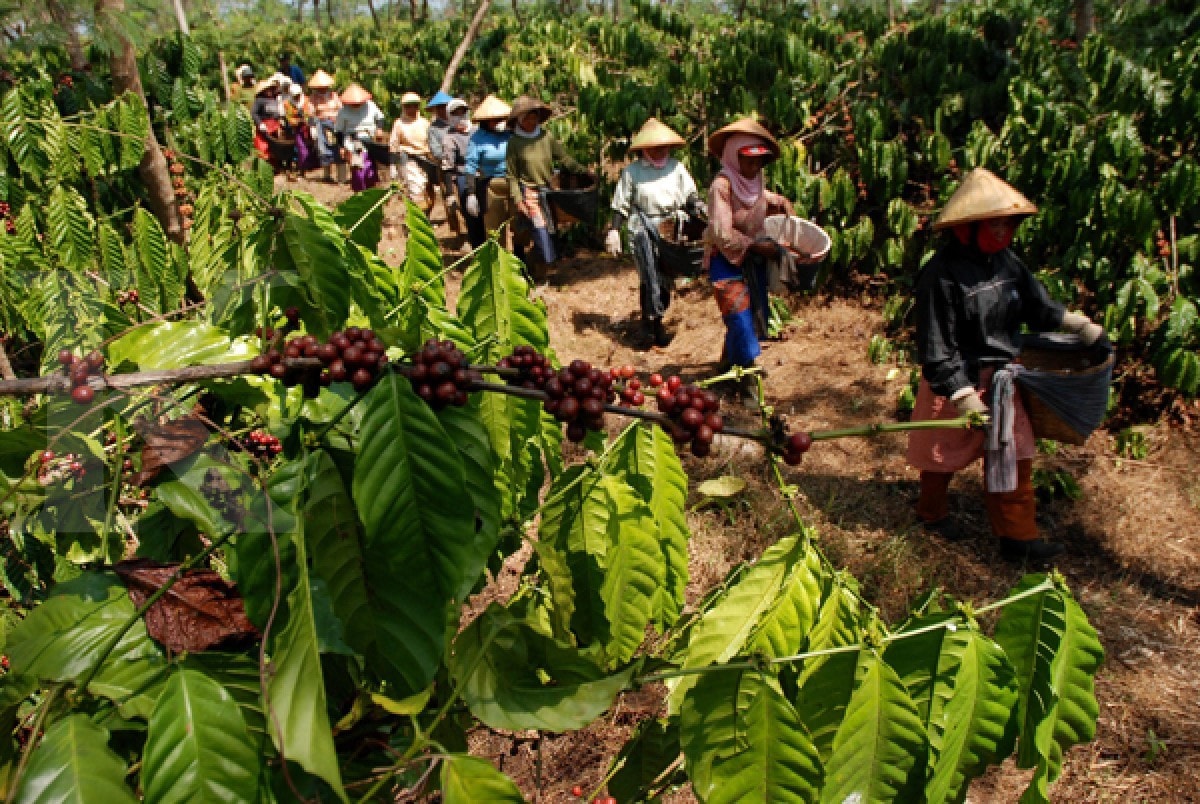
{"points": [[354, 95], [264, 85], [526, 104], [981, 196], [492, 108], [320, 80], [409, 97], [655, 134], [747, 125]]}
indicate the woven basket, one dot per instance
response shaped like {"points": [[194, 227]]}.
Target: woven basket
{"points": [[680, 252], [575, 198], [1066, 356]]}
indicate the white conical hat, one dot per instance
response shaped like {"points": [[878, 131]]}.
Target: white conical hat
{"points": [[320, 80], [492, 108], [983, 195], [655, 134]]}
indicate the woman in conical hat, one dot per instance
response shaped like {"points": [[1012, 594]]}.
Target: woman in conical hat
{"points": [[358, 122], [972, 299], [410, 137], [736, 246], [486, 202], [325, 105], [652, 189], [267, 113]]}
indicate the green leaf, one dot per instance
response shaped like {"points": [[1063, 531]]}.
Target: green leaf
{"points": [[239, 132], [175, 344], [160, 281], [74, 764], [722, 487], [409, 487], [14, 691], [423, 259], [296, 691], [361, 216], [513, 678], [312, 245], [1056, 653], [965, 692], [135, 124], [197, 745], [645, 457], [465, 428], [644, 759], [61, 639], [467, 779], [634, 569], [69, 227], [879, 753]]}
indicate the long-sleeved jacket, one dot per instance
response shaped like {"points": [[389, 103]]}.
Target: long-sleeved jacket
{"points": [[531, 161], [411, 136], [361, 120], [455, 145], [657, 192], [970, 308], [734, 225], [487, 153], [438, 130]]}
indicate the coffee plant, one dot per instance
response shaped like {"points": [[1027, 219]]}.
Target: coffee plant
{"points": [[250, 485]]}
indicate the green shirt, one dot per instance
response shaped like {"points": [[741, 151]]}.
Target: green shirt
{"points": [[531, 161]]}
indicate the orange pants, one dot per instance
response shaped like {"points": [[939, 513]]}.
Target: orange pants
{"points": [[1011, 513]]}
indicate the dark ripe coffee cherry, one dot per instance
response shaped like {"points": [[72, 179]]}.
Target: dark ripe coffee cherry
{"points": [[274, 355], [601, 394], [674, 383], [361, 380], [83, 394], [462, 377], [79, 373], [277, 371], [712, 402], [691, 418], [714, 422], [426, 393], [634, 384], [95, 360], [418, 373], [376, 345], [292, 350], [666, 400], [292, 314], [552, 405], [445, 392], [703, 433], [366, 335], [65, 358], [370, 359], [627, 396], [592, 407], [699, 403], [339, 341], [337, 371], [595, 377], [460, 398], [326, 378], [701, 449], [311, 349], [580, 368], [260, 364], [792, 458], [441, 370], [554, 388], [455, 358], [638, 399], [656, 380], [680, 434], [353, 333], [583, 386], [683, 399], [569, 408], [576, 432], [799, 442], [566, 377], [529, 385], [381, 363], [353, 356], [327, 352]]}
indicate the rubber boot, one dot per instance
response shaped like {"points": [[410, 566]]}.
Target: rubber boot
{"points": [[1012, 515]]}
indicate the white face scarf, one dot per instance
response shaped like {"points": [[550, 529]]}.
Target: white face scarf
{"points": [[520, 132]]}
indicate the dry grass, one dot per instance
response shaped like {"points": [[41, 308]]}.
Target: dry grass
{"points": [[1134, 560]]}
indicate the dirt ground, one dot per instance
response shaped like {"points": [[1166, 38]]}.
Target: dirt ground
{"points": [[1133, 539]]}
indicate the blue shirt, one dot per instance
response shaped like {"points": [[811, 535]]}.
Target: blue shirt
{"points": [[296, 74], [487, 153]]}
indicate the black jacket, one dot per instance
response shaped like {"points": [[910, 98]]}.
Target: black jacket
{"points": [[970, 308]]}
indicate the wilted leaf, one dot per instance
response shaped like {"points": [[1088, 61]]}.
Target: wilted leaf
{"points": [[199, 612], [168, 443], [722, 487]]}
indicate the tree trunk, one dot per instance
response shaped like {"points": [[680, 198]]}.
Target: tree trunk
{"points": [[62, 18], [616, 10], [224, 68], [374, 16], [329, 11], [891, 8], [125, 78], [465, 44], [181, 18], [424, 10], [1085, 19], [412, 11]]}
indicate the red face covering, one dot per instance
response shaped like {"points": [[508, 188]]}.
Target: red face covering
{"points": [[993, 236]]}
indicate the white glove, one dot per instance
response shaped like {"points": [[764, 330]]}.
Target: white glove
{"points": [[612, 242], [473, 205], [262, 127], [967, 401], [1082, 326]]}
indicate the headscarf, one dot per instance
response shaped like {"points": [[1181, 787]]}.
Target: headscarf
{"points": [[656, 163], [748, 191], [520, 132]]}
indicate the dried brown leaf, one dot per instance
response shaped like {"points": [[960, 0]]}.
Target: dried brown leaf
{"points": [[167, 443]]}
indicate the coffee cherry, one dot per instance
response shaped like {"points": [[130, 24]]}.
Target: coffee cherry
{"points": [[65, 358], [361, 380], [260, 364], [95, 360], [577, 791], [83, 394], [674, 383], [656, 380], [800, 442], [715, 422], [576, 432], [47, 456], [79, 373], [691, 418]]}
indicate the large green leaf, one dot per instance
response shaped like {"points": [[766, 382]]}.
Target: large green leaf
{"points": [[299, 720], [1056, 653], [14, 691], [409, 487], [965, 693], [311, 245], [74, 765], [361, 216], [159, 278], [634, 569], [514, 678], [644, 759], [465, 428], [467, 779], [754, 747], [725, 629], [70, 228], [64, 637], [197, 745], [174, 344], [423, 270], [879, 753], [645, 457]]}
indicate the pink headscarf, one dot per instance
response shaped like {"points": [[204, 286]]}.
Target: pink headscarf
{"points": [[747, 190]]}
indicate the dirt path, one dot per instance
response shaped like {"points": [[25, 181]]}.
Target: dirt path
{"points": [[1133, 537]]}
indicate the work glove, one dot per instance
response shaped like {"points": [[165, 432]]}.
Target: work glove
{"points": [[262, 127], [969, 402], [1088, 331], [473, 206], [612, 242]]}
